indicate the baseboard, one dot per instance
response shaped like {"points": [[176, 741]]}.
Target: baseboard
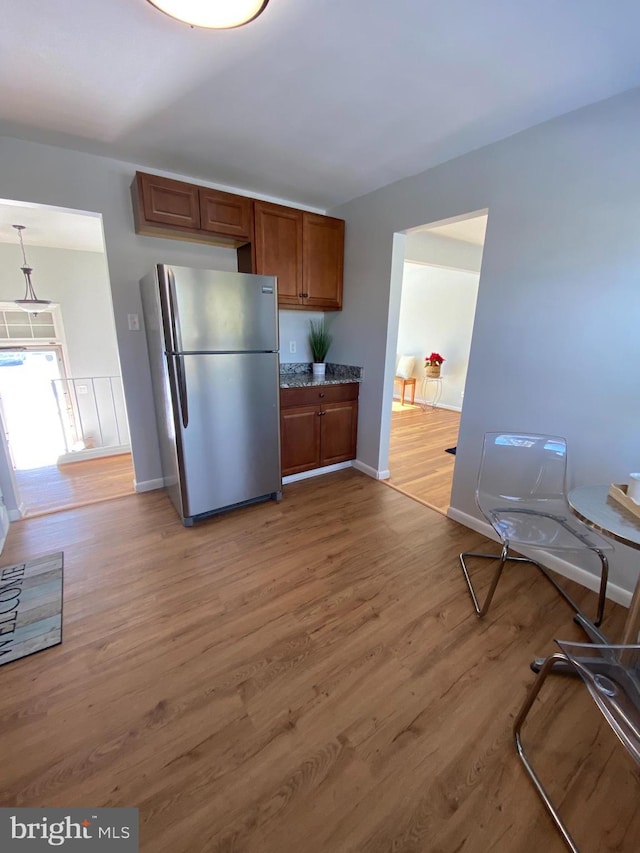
{"points": [[5, 521], [568, 570], [371, 472], [17, 514], [421, 402], [315, 472], [148, 485], [92, 453]]}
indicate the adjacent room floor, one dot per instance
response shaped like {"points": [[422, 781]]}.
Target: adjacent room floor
{"points": [[418, 463], [303, 676], [57, 487]]}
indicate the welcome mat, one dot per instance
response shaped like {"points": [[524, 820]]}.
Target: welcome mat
{"points": [[30, 607]]}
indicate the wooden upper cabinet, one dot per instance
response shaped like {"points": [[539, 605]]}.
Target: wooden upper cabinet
{"points": [[306, 252], [168, 202], [322, 261], [278, 248], [225, 213]]}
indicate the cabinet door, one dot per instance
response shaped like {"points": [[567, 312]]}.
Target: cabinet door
{"points": [[322, 261], [226, 214], [168, 202], [278, 248], [300, 439], [339, 434]]}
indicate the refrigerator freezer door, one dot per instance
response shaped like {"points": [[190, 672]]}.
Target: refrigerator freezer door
{"points": [[213, 311], [230, 449]]}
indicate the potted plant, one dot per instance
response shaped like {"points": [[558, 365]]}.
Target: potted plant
{"points": [[319, 343], [433, 364]]}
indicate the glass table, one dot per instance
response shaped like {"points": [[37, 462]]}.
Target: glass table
{"points": [[435, 398], [593, 505]]}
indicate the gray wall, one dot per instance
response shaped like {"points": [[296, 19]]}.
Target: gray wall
{"points": [[79, 282], [56, 176], [555, 345]]}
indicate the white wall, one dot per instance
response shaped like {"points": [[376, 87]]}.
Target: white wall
{"points": [[438, 250], [555, 346], [79, 282], [436, 314]]}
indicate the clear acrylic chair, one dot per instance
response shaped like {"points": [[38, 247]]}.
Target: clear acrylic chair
{"points": [[521, 492], [612, 676]]}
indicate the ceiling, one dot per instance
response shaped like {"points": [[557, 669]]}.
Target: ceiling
{"points": [[51, 227], [316, 101], [470, 230]]}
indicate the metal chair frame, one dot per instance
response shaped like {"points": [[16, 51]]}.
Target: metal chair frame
{"points": [[506, 555], [561, 662]]}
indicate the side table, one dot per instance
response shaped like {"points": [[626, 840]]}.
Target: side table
{"points": [[433, 402]]}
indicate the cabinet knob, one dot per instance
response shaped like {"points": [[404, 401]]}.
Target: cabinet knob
{"points": [[320, 395]]}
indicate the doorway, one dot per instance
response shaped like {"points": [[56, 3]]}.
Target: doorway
{"points": [[441, 272], [32, 423], [64, 425]]}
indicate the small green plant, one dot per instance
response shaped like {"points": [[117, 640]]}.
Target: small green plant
{"points": [[319, 340]]}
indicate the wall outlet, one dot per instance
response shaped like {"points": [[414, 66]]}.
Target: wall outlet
{"points": [[134, 322], [292, 346], [82, 389]]}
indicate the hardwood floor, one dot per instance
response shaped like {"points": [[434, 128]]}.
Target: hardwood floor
{"points": [[418, 464], [303, 676], [53, 488]]}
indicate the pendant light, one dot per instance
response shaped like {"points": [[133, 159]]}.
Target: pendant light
{"points": [[30, 303], [212, 14]]}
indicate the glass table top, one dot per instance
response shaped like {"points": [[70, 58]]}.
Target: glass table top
{"points": [[593, 505]]}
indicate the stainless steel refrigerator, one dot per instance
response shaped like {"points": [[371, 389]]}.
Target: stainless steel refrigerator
{"points": [[213, 350]]}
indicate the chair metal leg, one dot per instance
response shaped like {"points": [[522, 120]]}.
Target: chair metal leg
{"points": [[504, 556], [548, 667]]}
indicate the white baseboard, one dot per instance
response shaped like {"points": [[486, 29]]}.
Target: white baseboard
{"points": [[148, 485], [439, 405], [568, 570], [371, 472], [315, 472], [92, 453], [5, 521]]}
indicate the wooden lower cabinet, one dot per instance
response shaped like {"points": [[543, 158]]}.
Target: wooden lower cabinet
{"points": [[318, 426]]}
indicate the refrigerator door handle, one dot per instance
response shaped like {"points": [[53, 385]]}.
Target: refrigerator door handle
{"points": [[182, 390], [174, 319]]}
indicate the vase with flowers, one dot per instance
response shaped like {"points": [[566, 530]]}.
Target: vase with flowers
{"points": [[433, 365]]}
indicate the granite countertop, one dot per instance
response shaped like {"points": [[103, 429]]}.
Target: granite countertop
{"points": [[300, 375]]}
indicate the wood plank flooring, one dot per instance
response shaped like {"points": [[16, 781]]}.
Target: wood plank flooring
{"points": [[302, 676], [418, 464], [54, 487]]}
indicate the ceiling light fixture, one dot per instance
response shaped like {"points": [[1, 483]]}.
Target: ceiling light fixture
{"points": [[30, 303], [213, 14]]}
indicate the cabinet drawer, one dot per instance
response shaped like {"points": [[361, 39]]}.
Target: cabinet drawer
{"points": [[318, 394]]}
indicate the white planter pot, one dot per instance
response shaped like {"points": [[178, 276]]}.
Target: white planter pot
{"points": [[318, 369]]}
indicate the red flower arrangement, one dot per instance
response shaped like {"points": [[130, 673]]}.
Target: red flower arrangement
{"points": [[433, 359]]}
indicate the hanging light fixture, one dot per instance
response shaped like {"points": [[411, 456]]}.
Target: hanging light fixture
{"points": [[30, 303], [213, 14]]}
